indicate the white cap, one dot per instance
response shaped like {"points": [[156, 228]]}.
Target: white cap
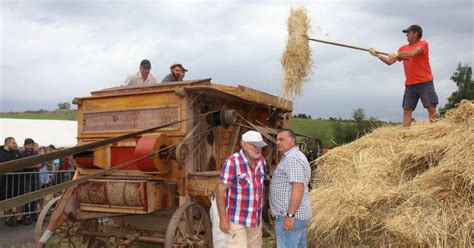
{"points": [[254, 138]]}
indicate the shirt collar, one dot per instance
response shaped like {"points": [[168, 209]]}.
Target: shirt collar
{"points": [[295, 148], [242, 154], [139, 75], [246, 161]]}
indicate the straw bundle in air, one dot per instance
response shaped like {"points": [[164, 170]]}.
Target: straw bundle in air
{"points": [[296, 59], [399, 187]]}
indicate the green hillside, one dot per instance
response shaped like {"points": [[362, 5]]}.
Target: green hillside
{"points": [[320, 129], [42, 115]]}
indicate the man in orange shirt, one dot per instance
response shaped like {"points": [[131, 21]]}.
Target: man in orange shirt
{"points": [[419, 79]]}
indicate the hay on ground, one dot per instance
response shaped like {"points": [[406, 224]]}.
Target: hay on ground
{"points": [[296, 59], [399, 187]]}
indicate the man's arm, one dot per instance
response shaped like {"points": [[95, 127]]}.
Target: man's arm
{"points": [[409, 54], [220, 199], [128, 80], [296, 198], [393, 57], [387, 60]]}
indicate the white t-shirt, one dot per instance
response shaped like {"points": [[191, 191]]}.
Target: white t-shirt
{"points": [[136, 79]]}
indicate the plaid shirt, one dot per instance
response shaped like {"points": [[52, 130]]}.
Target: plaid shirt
{"points": [[244, 194], [293, 168]]}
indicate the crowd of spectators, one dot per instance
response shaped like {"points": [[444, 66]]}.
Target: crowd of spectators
{"points": [[29, 179]]}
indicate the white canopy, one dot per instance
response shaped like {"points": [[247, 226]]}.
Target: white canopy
{"points": [[43, 132]]}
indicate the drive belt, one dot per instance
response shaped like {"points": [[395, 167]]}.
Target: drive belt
{"points": [[29, 197], [18, 164]]}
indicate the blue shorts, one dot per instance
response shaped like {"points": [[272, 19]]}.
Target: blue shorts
{"points": [[424, 91]]}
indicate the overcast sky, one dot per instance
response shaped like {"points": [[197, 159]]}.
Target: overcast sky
{"points": [[53, 51]]}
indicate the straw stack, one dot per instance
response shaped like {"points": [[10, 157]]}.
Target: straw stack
{"points": [[399, 187], [296, 59]]}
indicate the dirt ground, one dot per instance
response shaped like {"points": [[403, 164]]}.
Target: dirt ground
{"points": [[20, 236], [23, 237]]}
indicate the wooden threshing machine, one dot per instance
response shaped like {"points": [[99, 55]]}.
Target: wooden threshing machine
{"points": [[160, 191]]}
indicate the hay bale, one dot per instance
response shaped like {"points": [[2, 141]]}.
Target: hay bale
{"points": [[296, 59], [399, 187]]}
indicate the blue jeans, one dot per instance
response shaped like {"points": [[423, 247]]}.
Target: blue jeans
{"points": [[291, 239]]}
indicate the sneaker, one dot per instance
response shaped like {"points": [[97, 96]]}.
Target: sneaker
{"points": [[26, 221], [11, 222]]}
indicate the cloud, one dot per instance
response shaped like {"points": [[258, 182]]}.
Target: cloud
{"points": [[53, 51]]}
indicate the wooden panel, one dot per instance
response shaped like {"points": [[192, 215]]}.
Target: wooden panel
{"points": [[102, 157], [135, 119]]}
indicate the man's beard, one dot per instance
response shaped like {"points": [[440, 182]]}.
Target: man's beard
{"points": [[253, 155], [176, 76]]}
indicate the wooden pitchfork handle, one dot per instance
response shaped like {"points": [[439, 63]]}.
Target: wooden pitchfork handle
{"points": [[344, 45]]}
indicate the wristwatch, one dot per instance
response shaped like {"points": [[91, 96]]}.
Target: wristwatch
{"points": [[290, 215]]}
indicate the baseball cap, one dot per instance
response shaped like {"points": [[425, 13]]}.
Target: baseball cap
{"points": [[176, 64], [145, 64], [254, 138], [413, 27]]}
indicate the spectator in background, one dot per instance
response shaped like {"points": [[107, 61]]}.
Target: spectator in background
{"points": [[44, 179], [29, 182], [177, 72], [9, 151], [143, 76], [55, 167], [36, 148], [66, 165]]}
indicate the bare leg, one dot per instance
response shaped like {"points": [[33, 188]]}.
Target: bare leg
{"points": [[433, 115], [407, 117]]}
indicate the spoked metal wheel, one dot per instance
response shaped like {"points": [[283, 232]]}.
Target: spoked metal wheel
{"points": [[63, 235], [190, 226]]}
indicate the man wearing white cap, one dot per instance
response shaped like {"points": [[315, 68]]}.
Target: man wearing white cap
{"points": [[240, 191]]}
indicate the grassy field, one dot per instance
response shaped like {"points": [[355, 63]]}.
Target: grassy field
{"points": [[49, 115], [320, 129]]}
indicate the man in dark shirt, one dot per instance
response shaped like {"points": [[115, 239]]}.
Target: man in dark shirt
{"points": [[177, 72], [9, 151], [29, 182]]}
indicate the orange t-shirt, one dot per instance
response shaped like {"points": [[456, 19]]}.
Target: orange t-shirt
{"points": [[417, 69]]}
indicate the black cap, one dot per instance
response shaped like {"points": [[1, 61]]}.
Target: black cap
{"points": [[29, 141], [145, 64], [413, 27]]}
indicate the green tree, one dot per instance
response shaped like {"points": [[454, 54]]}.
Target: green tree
{"points": [[358, 114], [64, 106], [348, 131], [463, 79]]}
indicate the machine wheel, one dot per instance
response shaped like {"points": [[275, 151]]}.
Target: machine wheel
{"points": [[40, 223], [190, 226], [63, 233]]}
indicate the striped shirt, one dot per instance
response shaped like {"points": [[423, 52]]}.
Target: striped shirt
{"points": [[293, 168], [244, 194]]}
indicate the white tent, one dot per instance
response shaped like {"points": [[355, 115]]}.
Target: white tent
{"points": [[43, 132]]}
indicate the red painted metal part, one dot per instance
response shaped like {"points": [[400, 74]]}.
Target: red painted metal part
{"points": [[146, 145], [122, 154]]}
